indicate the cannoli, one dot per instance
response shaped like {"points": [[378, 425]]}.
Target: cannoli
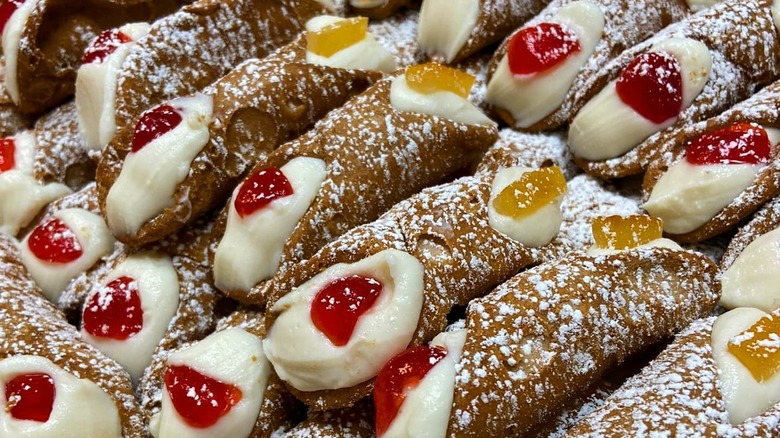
{"points": [[43, 41], [11, 119], [718, 378], [452, 30], [51, 382], [354, 422], [223, 131], [405, 133], [536, 72], [698, 67], [377, 9], [543, 336], [718, 171], [182, 53]]}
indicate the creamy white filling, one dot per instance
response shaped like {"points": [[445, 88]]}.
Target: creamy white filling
{"points": [[305, 358], [446, 25], [367, 54], [234, 357], [24, 151], [425, 412], [534, 230], [698, 5], [367, 3], [158, 289], [96, 91], [12, 35], [657, 243], [95, 239], [148, 179], [753, 279], [80, 407], [743, 395], [606, 127], [444, 104], [529, 98], [248, 252]]}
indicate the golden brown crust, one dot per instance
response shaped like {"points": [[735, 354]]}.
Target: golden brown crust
{"points": [[766, 219], [60, 153], [354, 422]]}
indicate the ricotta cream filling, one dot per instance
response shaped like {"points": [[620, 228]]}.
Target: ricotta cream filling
{"points": [[753, 280], [445, 26], [445, 104]]}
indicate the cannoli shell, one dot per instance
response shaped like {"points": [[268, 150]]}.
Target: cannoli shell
{"points": [[762, 109], [558, 327], [745, 50], [258, 106], [11, 119], [61, 155], [354, 422], [626, 23], [182, 53], [516, 148], [766, 219], [31, 325], [677, 394]]}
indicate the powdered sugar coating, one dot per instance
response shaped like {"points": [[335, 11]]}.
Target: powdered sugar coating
{"points": [[516, 148], [60, 154], [764, 220]]}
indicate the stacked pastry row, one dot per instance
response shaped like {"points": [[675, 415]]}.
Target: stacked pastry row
{"points": [[271, 231]]}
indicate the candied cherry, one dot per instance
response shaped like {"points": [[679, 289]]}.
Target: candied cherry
{"points": [[337, 36], [534, 190], [54, 242], [652, 86], [740, 143], [7, 151], [625, 232], [758, 348], [432, 77], [153, 124], [397, 377], [539, 48], [115, 311], [199, 399], [30, 397], [104, 45], [337, 307], [261, 188], [7, 9]]}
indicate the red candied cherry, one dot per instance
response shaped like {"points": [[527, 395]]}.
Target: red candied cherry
{"points": [[740, 143], [7, 9], [54, 242], [153, 124], [260, 189], [337, 307], [539, 48], [7, 151], [115, 311], [30, 397], [652, 86], [400, 375], [105, 44], [200, 400]]}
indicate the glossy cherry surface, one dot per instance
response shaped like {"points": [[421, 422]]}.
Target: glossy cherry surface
{"points": [[54, 242], [260, 189], [740, 143], [539, 48], [30, 397], [153, 124], [7, 151], [104, 45], [115, 311], [652, 86], [199, 399], [7, 9], [338, 306]]}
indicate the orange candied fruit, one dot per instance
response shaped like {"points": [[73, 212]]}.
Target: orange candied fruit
{"points": [[532, 191], [624, 232], [432, 77], [337, 36], [758, 348]]}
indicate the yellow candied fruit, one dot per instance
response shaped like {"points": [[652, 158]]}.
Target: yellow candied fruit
{"points": [[432, 77], [532, 191], [624, 232], [758, 348], [337, 36]]}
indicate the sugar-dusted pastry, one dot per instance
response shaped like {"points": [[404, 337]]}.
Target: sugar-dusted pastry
{"points": [[536, 72], [718, 378], [690, 71], [354, 422], [43, 41], [542, 337], [451, 30], [404, 133], [202, 42], [221, 133], [51, 382], [11, 119], [717, 171]]}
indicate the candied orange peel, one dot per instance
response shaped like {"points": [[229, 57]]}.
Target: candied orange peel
{"points": [[337, 36], [432, 77], [534, 190], [625, 232], [758, 348]]}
